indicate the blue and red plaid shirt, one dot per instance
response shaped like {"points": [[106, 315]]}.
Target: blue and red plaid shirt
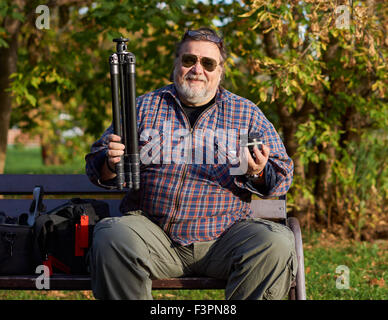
{"points": [[192, 195]]}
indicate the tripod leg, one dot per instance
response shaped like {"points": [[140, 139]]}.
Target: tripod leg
{"points": [[114, 73], [134, 155], [124, 82]]}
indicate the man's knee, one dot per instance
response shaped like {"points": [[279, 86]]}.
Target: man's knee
{"points": [[277, 237], [267, 234], [282, 244], [113, 235]]}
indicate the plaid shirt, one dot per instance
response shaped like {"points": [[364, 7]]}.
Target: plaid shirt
{"points": [[194, 201]]}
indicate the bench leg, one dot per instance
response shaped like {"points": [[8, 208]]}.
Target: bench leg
{"points": [[299, 292], [291, 294]]}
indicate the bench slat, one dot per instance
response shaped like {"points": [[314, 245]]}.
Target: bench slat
{"points": [[188, 283], [52, 184], [14, 207], [57, 282]]}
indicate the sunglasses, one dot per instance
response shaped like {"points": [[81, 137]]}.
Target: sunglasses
{"points": [[188, 60]]}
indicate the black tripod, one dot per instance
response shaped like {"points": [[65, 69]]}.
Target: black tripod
{"points": [[123, 85]]}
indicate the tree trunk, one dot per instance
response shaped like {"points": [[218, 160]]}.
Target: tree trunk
{"points": [[8, 61], [49, 156]]}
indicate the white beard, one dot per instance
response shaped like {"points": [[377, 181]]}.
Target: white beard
{"points": [[195, 96]]}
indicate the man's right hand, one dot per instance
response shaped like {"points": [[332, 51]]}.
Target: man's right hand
{"points": [[115, 151]]}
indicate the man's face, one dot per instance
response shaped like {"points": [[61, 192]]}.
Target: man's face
{"points": [[195, 85]]}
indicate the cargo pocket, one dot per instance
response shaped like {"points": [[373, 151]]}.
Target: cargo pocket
{"points": [[281, 286], [293, 265]]}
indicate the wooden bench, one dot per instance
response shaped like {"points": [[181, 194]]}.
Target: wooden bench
{"points": [[16, 193]]}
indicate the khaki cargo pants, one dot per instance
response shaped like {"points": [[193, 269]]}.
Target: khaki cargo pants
{"points": [[256, 257]]}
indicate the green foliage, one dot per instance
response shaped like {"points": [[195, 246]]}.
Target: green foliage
{"points": [[362, 175]]}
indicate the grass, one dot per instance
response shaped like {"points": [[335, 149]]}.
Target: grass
{"points": [[23, 160], [45, 295], [366, 261]]}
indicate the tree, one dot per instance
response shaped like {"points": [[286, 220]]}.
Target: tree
{"points": [[23, 50], [10, 24]]}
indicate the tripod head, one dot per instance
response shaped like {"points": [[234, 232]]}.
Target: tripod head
{"points": [[121, 44]]}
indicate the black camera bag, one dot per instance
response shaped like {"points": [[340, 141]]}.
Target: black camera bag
{"points": [[64, 234], [16, 249]]}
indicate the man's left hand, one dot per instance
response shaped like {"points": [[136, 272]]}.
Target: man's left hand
{"points": [[255, 166]]}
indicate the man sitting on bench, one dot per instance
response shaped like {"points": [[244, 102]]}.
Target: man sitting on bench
{"points": [[194, 217]]}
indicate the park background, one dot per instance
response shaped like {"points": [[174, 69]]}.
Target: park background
{"points": [[316, 68]]}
